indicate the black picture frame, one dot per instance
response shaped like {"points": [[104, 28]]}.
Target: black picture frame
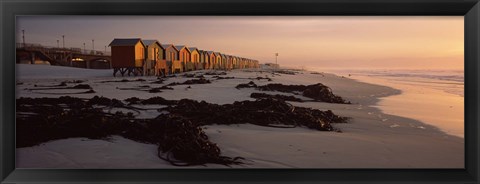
{"points": [[470, 9]]}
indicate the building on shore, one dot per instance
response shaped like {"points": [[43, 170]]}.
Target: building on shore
{"points": [[212, 59], [171, 57], [150, 57], [184, 57], [128, 56], [194, 57], [229, 62], [155, 63], [234, 62], [218, 61], [201, 63], [223, 65]]}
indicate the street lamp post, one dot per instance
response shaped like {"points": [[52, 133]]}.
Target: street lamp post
{"points": [[84, 50], [23, 37], [93, 46], [63, 41], [276, 61]]}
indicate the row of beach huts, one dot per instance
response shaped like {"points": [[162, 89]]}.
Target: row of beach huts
{"points": [[149, 57]]}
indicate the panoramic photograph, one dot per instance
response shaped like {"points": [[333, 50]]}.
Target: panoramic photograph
{"points": [[132, 92]]}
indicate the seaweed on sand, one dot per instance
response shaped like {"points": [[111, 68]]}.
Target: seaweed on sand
{"points": [[250, 84], [220, 78], [58, 87], [179, 135], [78, 86], [318, 92], [124, 80], [264, 112], [216, 73], [191, 81], [276, 96]]}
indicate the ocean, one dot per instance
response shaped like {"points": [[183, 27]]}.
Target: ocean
{"points": [[450, 81]]}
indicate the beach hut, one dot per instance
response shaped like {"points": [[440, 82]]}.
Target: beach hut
{"points": [[201, 63], [224, 62], [194, 57], [171, 57], [218, 60], [154, 54], [184, 57], [229, 62], [128, 55], [212, 58], [235, 62], [242, 60], [206, 59]]}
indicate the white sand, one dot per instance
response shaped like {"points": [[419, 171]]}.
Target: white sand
{"points": [[372, 138]]}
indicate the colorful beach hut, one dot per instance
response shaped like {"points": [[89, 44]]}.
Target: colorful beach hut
{"points": [[201, 63], [154, 62], [128, 55], [212, 58], [218, 60], [184, 56], [194, 57], [171, 57]]}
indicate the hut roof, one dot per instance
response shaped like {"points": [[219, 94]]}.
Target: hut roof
{"points": [[150, 42], [193, 48], [180, 47], [165, 46], [125, 42]]}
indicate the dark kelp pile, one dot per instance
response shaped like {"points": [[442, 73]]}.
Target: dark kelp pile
{"points": [[191, 81], [148, 88], [178, 134], [193, 75], [123, 80], [63, 83], [264, 112], [286, 72], [167, 87], [62, 86], [215, 73], [276, 96], [318, 92], [220, 78]]}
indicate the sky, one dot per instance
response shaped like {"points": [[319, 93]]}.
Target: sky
{"points": [[347, 42]]}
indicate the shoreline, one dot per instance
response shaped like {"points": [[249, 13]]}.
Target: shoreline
{"points": [[372, 139], [425, 100]]}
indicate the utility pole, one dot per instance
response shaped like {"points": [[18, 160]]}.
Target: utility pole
{"points": [[23, 37], [276, 59], [63, 40], [105, 50], [84, 50], [93, 46]]}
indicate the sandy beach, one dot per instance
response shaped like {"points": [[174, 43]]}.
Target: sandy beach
{"points": [[384, 131]]}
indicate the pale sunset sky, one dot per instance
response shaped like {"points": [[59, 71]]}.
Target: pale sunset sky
{"points": [[395, 42]]}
